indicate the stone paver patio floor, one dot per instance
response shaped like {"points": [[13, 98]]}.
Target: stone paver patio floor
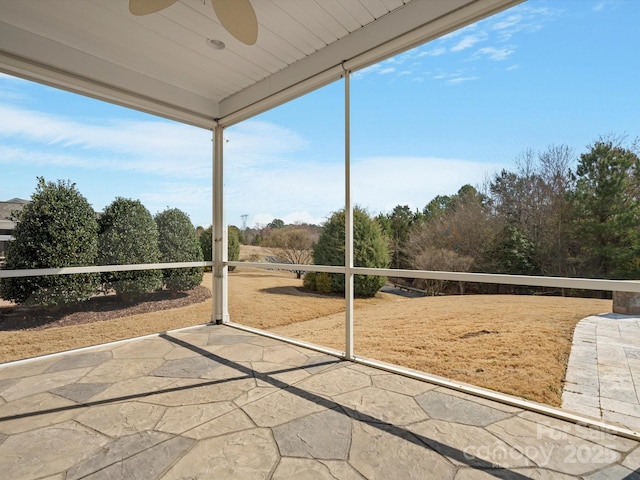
{"points": [[218, 403], [603, 373]]}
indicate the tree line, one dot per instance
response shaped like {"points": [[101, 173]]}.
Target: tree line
{"points": [[545, 217]]}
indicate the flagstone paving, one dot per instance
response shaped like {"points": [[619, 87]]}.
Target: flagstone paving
{"points": [[603, 373], [216, 402]]}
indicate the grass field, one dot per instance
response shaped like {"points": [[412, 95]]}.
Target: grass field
{"points": [[513, 344]]}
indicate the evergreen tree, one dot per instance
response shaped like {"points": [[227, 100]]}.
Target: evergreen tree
{"points": [[397, 226], [607, 209], [370, 249]]}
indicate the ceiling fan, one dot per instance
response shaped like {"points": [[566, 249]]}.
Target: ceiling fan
{"points": [[236, 16]]}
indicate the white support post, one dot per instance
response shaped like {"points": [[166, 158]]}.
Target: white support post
{"points": [[219, 313], [348, 222]]}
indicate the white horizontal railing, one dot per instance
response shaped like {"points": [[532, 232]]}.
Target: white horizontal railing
{"points": [[526, 280], [288, 266], [36, 272]]}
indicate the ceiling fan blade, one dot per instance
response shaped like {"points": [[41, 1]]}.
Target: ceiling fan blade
{"points": [[145, 7], [238, 18]]}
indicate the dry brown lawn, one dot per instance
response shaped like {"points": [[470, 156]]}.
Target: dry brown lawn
{"points": [[513, 344]]}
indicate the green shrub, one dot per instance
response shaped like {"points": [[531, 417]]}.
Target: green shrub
{"points": [[129, 235], [323, 282], [309, 281], [178, 243], [370, 250], [57, 229], [317, 281]]}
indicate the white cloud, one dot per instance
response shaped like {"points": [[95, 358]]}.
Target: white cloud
{"points": [[509, 21], [382, 68], [462, 31], [494, 32], [258, 141], [495, 54], [150, 146], [28, 156], [175, 157], [469, 41], [381, 183], [605, 5], [513, 67], [309, 192], [190, 197], [457, 80], [303, 217], [287, 186], [458, 76], [153, 146], [175, 194], [434, 52], [526, 19]]}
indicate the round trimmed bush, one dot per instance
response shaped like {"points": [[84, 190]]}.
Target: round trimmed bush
{"points": [[57, 228], [178, 242], [128, 235]]}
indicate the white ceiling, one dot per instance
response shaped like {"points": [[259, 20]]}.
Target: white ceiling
{"points": [[161, 63]]}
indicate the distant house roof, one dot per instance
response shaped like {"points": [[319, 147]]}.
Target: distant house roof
{"points": [[9, 206]]}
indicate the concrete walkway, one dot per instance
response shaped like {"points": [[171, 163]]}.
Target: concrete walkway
{"points": [[218, 403], [603, 374]]}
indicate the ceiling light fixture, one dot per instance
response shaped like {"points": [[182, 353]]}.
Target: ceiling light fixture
{"points": [[216, 44]]}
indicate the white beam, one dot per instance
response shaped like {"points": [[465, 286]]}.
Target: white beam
{"points": [[348, 222], [219, 312]]}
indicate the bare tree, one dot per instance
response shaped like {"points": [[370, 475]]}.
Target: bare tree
{"points": [[463, 226], [533, 200], [291, 244], [454, 236], [440, 259]]}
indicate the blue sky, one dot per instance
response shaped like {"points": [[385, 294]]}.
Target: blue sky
{"points": [[450, 112]]}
